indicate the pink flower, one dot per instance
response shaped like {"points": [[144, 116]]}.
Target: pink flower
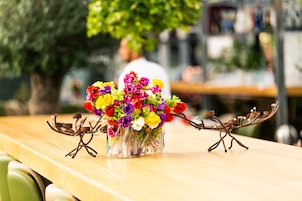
{"points": [[127, 99], [112, 131], [128, 89], [117, 103], [155, 89], [129, 78], [144, 81]]}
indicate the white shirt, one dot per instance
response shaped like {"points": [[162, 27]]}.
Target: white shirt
{"points": [[147, 69]]}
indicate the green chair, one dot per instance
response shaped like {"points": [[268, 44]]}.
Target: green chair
{"points": [[55, 193], [4, 160], [24, 184], [250, 131]]}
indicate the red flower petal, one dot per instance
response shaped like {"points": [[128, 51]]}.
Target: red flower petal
{"points": [[110, 111], [87, 105]]}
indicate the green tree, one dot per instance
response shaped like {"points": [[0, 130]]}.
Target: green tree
{"points": [[140, 21], [44, 39]]}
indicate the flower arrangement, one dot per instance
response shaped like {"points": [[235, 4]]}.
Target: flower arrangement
{"points": [[134, 115]]}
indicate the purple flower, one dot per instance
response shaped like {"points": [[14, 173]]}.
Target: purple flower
{"points": [[162, 118], [125, 121], [144, 81], [117, 103], [162, 105], [128, 109], [106, 90], [98, 112]]}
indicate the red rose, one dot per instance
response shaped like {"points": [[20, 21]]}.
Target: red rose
{"points": [[179, 107], [110, 111], [87, 105]]}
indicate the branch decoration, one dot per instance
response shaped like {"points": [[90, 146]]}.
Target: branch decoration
{"points": [[77, 129], [251, 118]]}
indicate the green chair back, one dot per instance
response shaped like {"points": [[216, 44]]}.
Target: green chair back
{"points": [[22, 186], [250, 131], [4, 192]]}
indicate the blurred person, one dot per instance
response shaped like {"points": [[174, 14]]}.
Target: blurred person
{"points": [[139, 64]]}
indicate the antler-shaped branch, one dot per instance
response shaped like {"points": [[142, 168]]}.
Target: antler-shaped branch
{"points": [[251, 118], [78, 129]]}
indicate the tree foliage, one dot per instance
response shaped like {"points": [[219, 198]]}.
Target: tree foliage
{"points": [[44, 36], [140, 21]]}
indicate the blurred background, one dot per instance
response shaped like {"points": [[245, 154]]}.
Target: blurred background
{"points": [[254, 46]]}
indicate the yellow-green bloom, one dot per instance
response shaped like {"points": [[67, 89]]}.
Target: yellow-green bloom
{"points": [[152, 120], [103, 101]]}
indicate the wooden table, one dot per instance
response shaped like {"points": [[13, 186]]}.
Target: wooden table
{"points": [[185, 171], [251, 91]]}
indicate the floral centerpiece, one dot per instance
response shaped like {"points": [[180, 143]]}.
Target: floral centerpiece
{"points": [[135, 115]]}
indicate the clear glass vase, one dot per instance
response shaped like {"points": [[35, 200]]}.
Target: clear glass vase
{"points": [[127, 142]]}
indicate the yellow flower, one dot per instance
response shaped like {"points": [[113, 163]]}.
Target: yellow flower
{"points": [[103, 101], [111, 84], [98, 84], [158, 82], [101, 85], [152, 120]]}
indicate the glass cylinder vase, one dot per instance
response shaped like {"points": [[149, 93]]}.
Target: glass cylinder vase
{"points": [[127, 142]]}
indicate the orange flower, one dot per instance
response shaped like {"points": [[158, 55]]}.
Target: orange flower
{"points": [[137, 103]]}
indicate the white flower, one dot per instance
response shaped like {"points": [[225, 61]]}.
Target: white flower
{"points": [[138, 124], [149, 92]]}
